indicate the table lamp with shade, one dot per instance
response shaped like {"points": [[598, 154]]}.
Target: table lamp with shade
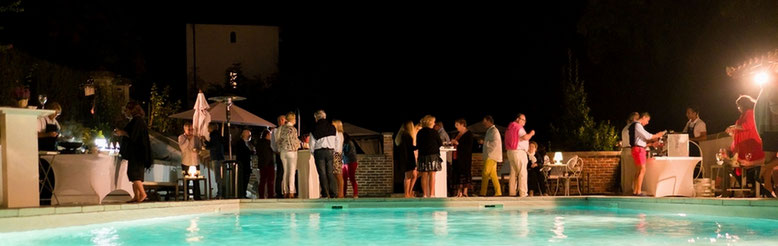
{"points": [[558, 158], [192, 171]]}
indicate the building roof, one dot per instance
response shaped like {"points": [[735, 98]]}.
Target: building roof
{"points": [[356, 131]]}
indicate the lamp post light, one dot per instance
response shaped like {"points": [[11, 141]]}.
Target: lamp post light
{"points": [[761, 78]]}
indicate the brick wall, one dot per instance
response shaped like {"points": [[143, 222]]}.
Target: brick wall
{"points": [[600, 172], [375, 172]]}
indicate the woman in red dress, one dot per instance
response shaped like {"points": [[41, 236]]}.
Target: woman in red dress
{"points": [[747, 143]]}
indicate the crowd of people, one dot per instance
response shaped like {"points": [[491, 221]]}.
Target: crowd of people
{"points": [[276, 157], [747, 154], [417, 148], [418, 152]]}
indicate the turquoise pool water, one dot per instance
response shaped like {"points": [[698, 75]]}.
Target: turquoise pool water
{"points": [[417, 226]]}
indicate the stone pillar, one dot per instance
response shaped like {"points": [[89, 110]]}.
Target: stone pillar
{"points": [[388, 143], [19, 157]]}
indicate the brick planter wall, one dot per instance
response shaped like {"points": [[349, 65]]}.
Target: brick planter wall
{"points": [[375, 172], [600, 173]]}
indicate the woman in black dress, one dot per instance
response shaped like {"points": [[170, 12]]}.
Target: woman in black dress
{"points": [[463, 158], [536, 180], [406, 158], [428, 142], [135, 148]]}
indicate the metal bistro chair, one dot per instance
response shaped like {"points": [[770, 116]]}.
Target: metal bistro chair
{"points": [[574, 171], [556, 173], [547, 175]]}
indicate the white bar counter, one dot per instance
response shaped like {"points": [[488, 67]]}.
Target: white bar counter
{"points": [[670, 176], [89, 178]]}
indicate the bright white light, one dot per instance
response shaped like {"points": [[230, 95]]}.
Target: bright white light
{"points": [[761, 78], [101, 143], [558, 158], [682, 214], [192, 171]]}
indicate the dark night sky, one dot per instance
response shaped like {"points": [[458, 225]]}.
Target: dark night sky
{"points": [[376, 66]]}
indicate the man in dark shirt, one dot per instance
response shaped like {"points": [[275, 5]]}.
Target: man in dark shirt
{"points": [[265, 163], [216, 148], [243, 152]]}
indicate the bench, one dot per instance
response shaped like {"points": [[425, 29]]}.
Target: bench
{"points": [[152, 189]]}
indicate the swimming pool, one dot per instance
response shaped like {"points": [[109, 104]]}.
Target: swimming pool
{"points": [[563, 225]]}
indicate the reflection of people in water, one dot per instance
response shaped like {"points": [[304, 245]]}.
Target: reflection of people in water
{"points": [[642, 224]]}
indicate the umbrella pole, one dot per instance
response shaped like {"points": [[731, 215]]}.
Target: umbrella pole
{"points": [[229, 139], [229, 132]]}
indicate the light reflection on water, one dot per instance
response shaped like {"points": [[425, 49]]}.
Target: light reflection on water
{"points": [[105, 236], [558, 229], [193, 231], [418, 226]]}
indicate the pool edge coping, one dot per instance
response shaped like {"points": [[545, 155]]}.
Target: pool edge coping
{"points": [[24, 219]]}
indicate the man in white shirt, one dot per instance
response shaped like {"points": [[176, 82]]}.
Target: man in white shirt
{"points": [[696, 129], [323, 142], [492, 154], [277, 154], [639, 139], [189, 157]]}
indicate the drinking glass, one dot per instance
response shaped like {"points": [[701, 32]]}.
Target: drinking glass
{"points": [[42, 99]]}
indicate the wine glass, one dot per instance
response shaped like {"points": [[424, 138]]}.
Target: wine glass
{"points": [[720, 156], [42, 99]]}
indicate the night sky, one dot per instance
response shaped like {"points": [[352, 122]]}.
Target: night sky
{"points": [[376, 66]]}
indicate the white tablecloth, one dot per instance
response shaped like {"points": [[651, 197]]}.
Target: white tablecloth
{"points": [[88, 178], [670, 176], [307, 176], [441, 180]]}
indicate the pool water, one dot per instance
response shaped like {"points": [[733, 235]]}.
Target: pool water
{"points": [[417, 226]]}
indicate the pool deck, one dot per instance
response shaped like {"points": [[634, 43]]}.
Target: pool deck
{"points": [[23, 219]]}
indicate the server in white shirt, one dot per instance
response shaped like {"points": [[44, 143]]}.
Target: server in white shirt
{"points": [[696, 129], [48, 129], [625, 132], [639, 139], [627, 166]]}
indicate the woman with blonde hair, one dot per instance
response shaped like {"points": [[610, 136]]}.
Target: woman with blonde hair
{"points": [[406, 145], [428, 142], [337, 156], [288, 143]]}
